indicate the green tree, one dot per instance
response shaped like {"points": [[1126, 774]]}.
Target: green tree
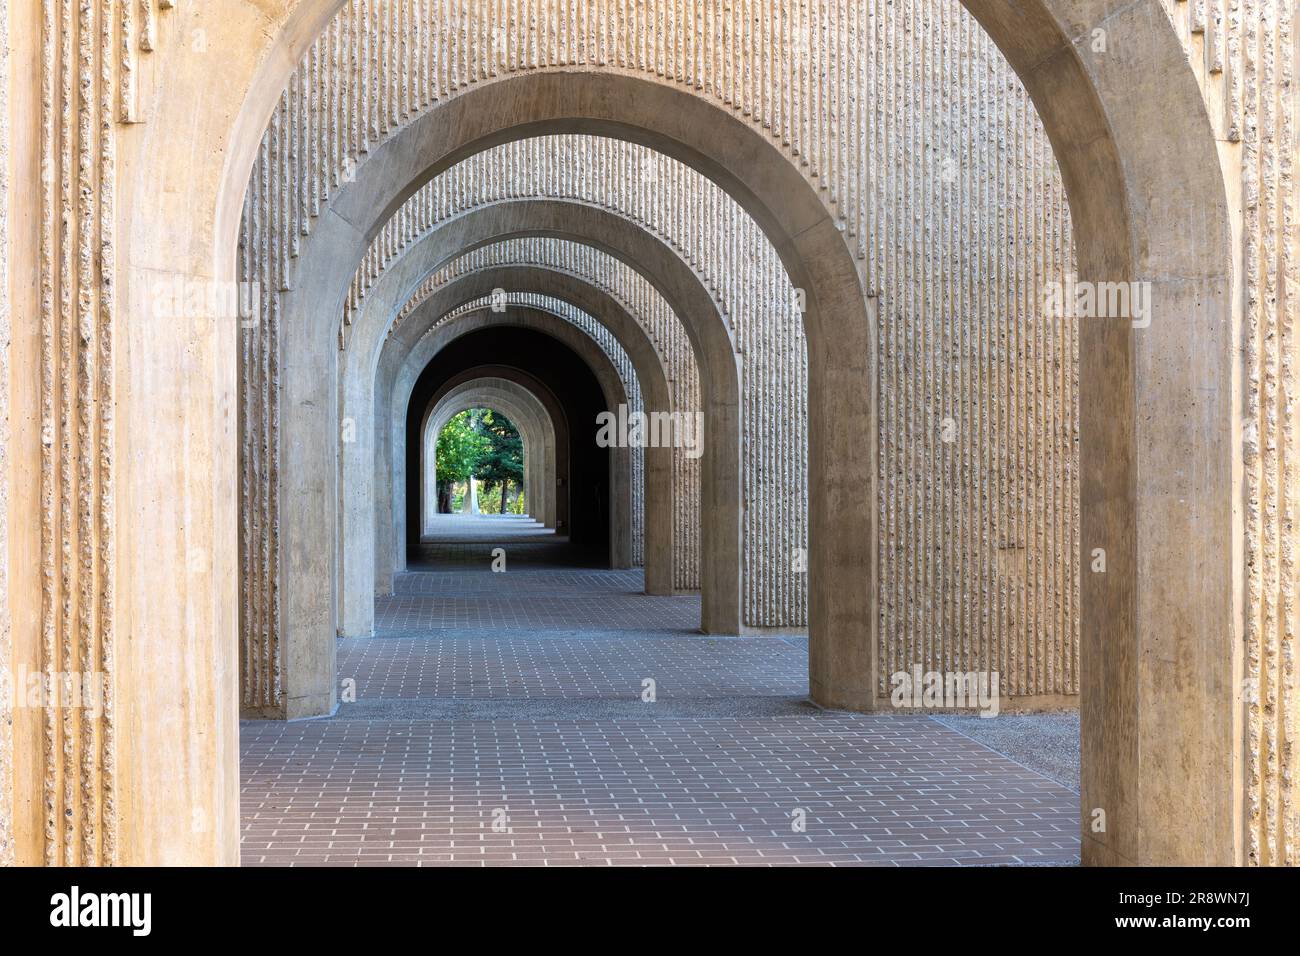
{"points": [[461, 444], [503, 460], [483, 444]]}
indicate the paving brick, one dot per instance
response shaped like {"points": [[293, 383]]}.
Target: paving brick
{"points": [[640, 790]]}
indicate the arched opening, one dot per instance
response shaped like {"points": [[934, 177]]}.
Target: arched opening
{"points": [[410, 344], [831, 661], [586, 514], [478, 448], [536, 431], [681, 288]]}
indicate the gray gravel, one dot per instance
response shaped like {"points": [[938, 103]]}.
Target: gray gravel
{"points": [[1046, 743]]}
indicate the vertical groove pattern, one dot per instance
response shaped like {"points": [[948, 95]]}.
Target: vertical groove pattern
{"points": [[80, 45], [1244, 55], [977, 387], [1260, 113]]}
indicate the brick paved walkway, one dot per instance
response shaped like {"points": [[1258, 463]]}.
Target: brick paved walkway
{"points": [[572, 665], [499, 720]]}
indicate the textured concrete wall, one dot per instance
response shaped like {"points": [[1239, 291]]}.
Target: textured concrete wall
{"points": [[978, 404], [1245, 55], [1267, 119], [67, 395]]}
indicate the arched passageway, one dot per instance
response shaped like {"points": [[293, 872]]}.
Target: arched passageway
{"points": [[537, 430], [428, 332], [652, 369], [376, 470], [596, 476], [514, 384], [844, 667], [1171, 599]]}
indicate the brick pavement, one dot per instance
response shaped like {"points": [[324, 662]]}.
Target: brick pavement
{"points": [[641, 784]]}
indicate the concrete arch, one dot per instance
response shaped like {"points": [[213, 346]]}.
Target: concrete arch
{"points": [[390, 502], [518, 416], [392, 512], [437, 139], [536, 428], [512, 384], [686, 293], [512, 219], [758, 307], [523, 409], [359, 462], [1137, 218], [1188, 276], [395, 289], [1146, 208], [375, 536], [546, 492], [400, 354]]}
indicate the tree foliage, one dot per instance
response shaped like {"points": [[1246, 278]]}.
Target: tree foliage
{"points": [[503, 458], [482, 444], [460, 446]]}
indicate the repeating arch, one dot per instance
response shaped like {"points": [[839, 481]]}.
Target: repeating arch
{"points": [[733, 259], [668, 385], [361, 570], [660, 564], [652, 327], [673, 290], [412, 148], [464, 323], [684, 293], [513, 384], [405, 353], [1090, 170], [536, 427]]}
